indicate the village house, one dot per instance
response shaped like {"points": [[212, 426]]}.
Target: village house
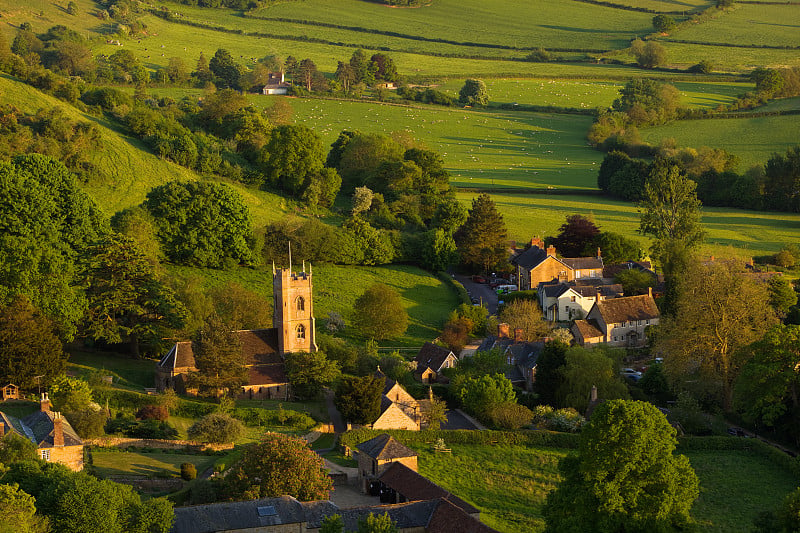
{"points": [[520, 355], [399, 410], [375, 455], [276, 84], [431, 360], [537, 264], [618, 322], [263, 349], [563, 302], [52, 434]]}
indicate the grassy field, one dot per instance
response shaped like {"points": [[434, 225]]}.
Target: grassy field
{"points": [[753, 140], [135, 373], [427, 299], [116, 463], [731, 232], [509, 484], [728, 59]]}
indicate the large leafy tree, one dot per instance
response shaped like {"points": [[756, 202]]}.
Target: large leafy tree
{"points": [[359, 399], [782, 181], [474, 93], [670, 213], [525, 315], [278, 465], [292, 156], [379, 313], [577, 235], [480, 395], [126, 302], [549, 375], [29, 346], [617, 248], [768, 387], [218, 358], [310, 372], [201, 223], [481, 241], [225, 69], [586, 368], [718, 311], [18, 512], [624, 476]]}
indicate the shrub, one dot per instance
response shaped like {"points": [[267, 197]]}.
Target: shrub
{"points": [[509, 415], [141, 429], [565, 420], [188, 471], [88, 423], [152, 412], [216, 428]]}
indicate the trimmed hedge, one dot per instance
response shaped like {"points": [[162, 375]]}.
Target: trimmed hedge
{"points": [[529, 438], [280, 417], [456, 285]]}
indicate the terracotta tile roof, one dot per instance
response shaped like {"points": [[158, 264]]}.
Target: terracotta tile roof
{"points": [[627, 308], [431, 356], [385, 446], [414, 486], [588, 329], [448, 518]]}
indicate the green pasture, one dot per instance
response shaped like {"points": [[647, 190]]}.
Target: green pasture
{"points": [[727, 58], [666, 6], [480, 148], [134, 373], [781, 104], [731, 232], [117, 463], [427, 299], [747, 24], [509, 484], [544, 23], [753, 140]]}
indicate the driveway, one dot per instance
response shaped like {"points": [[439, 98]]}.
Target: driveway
{"points": [[482, 291], [457, 420]]}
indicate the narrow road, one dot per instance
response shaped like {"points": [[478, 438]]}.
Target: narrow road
{"points": [[481, 291], [336, 417]]}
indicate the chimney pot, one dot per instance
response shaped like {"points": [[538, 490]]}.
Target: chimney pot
{"points": [[44, 403], [551, 250], [650, 291], [503, 330]]}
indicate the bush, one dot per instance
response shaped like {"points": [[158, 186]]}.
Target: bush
{"points": [[509, 415], [88, 423], [565, 420], [216, 428], [152, 412], [141, 429], [255, 417], [188, 471]]}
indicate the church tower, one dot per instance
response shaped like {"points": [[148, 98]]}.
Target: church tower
{"points": [[293, 311]]}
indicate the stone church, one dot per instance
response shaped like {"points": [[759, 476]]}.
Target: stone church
{"points": [[293, 330]]}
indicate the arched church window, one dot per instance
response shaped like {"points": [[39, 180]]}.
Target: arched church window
{"points": [[301, 304], [301, 331]]}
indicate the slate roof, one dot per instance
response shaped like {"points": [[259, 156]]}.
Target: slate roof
{"points": [[448, 518], [554, 290], [249, 514], [588, 329], [608, 291], [385, 447], [628, 308], [415, 514], [431, 356], [38, 428], [583, 263], [417, 487], [259, 346], [530, 258]]}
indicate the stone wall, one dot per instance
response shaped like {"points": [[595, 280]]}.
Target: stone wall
{"points": [[71, 456], [123, 442]]}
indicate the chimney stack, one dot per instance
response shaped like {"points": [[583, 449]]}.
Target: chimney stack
{"points": [[593, 394], [519, 335], [2, 429], [599, 255], [598, 295], [650, 291], [536, 241], [551, 251], [502, 330], [58, 430], [44, 403], [430, 393]]}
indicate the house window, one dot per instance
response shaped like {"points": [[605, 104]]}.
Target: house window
{"points": [[301, 304], [572, 299], [46, 454], [301, 332], [647, 321], [615, 339]]}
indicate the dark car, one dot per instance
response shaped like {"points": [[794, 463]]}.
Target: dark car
{"points": [[737, 432], [478, 279]]}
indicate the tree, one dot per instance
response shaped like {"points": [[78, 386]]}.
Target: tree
{"points": [[360, 65], [218, 428], [18, 512], [239, 307], [278, 465], [202, 73], [527, 316], [310, 372], [624, 476], [481, 241], [360, 155], [15, 448], [634, 281], [379, 313], [88, 423], [481, 394], [306, 70], [586, 368], [359, 399], [782, 295], [434, 413], [345, 75], [576, 235], [126, 302], [509, 415], [768, 81], [29, 346], [225, 69], [474, 93], [721, 310], [332, 524], [373, 523], [782, 181], [549, 375], [439, 250], [768, 387], [70, 394], [292, 156], [201, 223], [362, 200], [218, 358], [648, 55], [664, 23], [617, 248]]}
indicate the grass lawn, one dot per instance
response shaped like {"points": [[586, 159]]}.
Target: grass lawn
{"points": [[116, 463], [509, 484], [753, 140], [731, 232], [137, 373], [325, 441], [19, 409]]}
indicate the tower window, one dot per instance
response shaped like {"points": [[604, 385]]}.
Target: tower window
{"points": [[301, 303], [301, 331]]}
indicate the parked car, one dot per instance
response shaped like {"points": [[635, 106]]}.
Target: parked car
{"points": [[478, 279], [737, 432], [631, 374]]}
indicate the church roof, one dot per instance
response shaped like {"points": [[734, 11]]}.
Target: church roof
{"points": [[259, 346]]}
